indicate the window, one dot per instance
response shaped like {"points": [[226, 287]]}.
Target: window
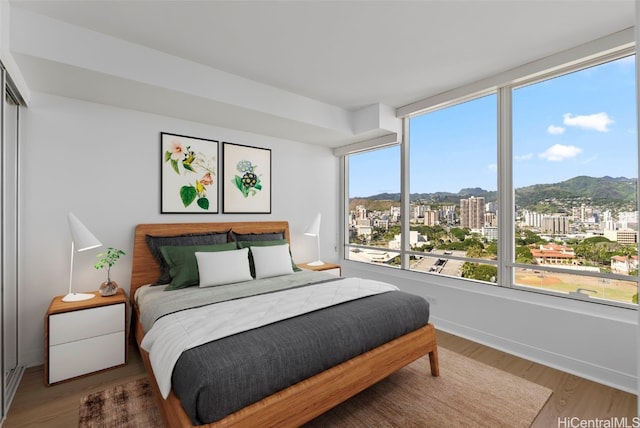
{"points": [[529, 185], [453, 182], [575, 181], [374, 211]]}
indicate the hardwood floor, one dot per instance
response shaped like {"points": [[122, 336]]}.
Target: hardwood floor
{"points": [[38, 406], [572, 396]]}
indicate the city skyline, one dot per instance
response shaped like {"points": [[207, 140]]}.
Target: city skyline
{"points": [[583, 123]]}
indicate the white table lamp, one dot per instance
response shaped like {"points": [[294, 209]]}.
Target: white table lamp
{"points": [[314, 230], [81, 240]]}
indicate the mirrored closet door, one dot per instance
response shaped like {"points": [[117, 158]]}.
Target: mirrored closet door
{"points": [[9, 220]]}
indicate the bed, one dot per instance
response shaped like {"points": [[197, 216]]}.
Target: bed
{"points": [[304, 399]]}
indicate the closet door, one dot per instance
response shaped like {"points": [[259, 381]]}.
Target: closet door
{"points": [[9, 137]]}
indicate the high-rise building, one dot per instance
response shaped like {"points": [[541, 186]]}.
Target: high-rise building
{"points": [[531, 218], [431, 217], [472, 212], [555, 225]]}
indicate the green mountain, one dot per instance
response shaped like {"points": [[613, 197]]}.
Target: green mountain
{"points": [[599, 191], [595, 191]]}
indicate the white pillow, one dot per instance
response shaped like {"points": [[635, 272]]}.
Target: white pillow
{"points": [[272, 260], [223, 267]]}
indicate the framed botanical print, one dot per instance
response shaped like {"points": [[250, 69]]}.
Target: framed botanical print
{"points": [[189, 177], [246, 184]]}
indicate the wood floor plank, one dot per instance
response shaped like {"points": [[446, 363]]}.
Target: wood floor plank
{"points": [[38, 406], [572, 396]]}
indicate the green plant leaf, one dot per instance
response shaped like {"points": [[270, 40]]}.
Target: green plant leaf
{"points": [[203, 203], [167, 155], [174, 164], [258, 186], [187, 166], [238, 181], [188, 195]]}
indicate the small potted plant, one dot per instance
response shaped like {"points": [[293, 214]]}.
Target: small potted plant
{"points": [[106, 260]]}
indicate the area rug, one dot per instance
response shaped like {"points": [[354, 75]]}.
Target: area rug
{"points": [[128, 405], [467, 394]]}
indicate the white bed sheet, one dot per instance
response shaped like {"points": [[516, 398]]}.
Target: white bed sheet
{"points": [[174, 333]]}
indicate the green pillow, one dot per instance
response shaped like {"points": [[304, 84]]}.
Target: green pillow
{"points": [[267, 243], [183, 265]]}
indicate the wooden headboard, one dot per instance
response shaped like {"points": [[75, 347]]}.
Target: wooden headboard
{"points": [[145, 268]]}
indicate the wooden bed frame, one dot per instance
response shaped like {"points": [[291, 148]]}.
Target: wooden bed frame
{"points": [[303, 401]]}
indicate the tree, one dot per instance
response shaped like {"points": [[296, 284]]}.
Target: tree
{"points": [[586, 250], [486, 273], [459, 233], [492, 248], [527, 237], [467, 269], [480, 272], [603, 254], [474, 251], [628, 251], [523, 254]]}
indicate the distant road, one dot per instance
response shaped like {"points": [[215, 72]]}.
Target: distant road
{"points": [[433, 263]]}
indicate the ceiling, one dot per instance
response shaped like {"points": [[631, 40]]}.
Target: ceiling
{"points": [[335, 58]]}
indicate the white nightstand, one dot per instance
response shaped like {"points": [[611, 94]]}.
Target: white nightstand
{"points": [[326, 267], [84, 337]]}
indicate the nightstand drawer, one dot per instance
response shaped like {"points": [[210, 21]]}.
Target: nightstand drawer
{"points": [[77, 325], [73, 359]]}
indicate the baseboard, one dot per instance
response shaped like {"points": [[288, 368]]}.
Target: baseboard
{"points": [[603, 375]]}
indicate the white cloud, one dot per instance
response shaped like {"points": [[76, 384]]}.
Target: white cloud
{"points": [[492, 167], [559, 152], [555, 130], [523, 157], [597, 122]]}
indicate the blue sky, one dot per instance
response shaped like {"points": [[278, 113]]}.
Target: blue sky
{"points": [[584, 123]]}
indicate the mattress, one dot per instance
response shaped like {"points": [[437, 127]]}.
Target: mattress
{"points": [[217, 378]]}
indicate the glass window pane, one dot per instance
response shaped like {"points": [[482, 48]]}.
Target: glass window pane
{"points": [[575, 176], [374, 206], [453, 187], [592, 288]]}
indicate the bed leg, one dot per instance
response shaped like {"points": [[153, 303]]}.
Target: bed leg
{"points": [[433, 361]]}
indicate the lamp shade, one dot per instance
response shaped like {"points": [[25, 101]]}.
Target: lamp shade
{"points": [[314, 230], [82, 238], [314, 227]]}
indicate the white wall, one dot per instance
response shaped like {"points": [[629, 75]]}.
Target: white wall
{"points": [[6, 58], [596, 342], [103, 164]]}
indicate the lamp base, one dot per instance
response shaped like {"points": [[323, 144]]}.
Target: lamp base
{"points": [[77, 297], [316, 263]]}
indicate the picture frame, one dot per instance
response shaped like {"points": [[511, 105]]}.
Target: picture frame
{"points": [[246, 183], [189, 175]]}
